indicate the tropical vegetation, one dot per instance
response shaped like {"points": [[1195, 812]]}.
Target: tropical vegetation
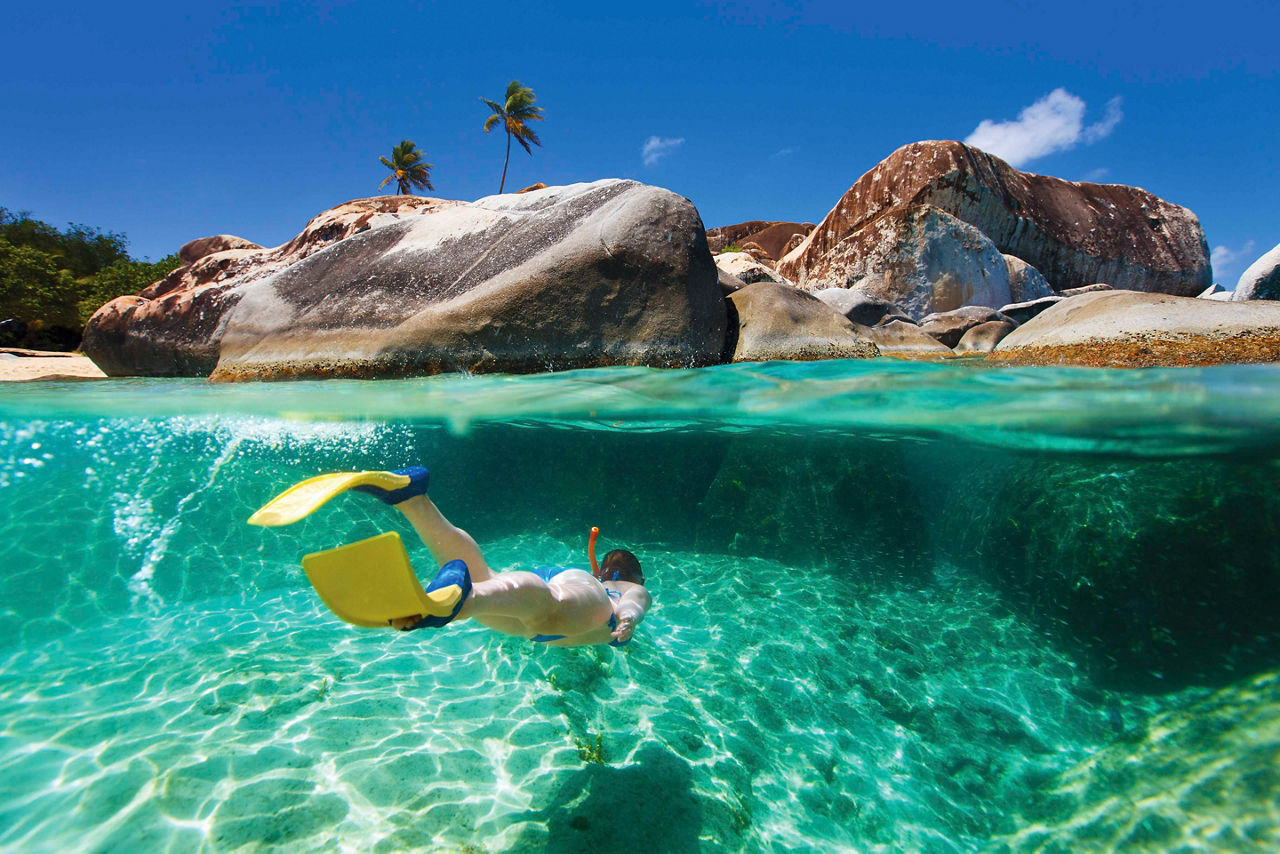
{"points": [[408, 169], [52, 280], [513, 114]]}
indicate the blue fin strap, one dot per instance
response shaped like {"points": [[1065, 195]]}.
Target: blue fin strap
{"points": [[454, 572], [418, 478]]}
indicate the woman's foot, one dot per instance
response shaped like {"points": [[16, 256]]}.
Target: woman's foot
{"points": [[418, 478]]}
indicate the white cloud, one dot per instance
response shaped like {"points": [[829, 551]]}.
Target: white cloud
{"points": [[786, 152], [1054, 123], [1223, 258], [657, 147]]}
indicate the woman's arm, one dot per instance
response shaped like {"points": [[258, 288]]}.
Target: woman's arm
{"points": [[631, 610]]}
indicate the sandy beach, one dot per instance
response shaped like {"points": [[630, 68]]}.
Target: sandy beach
{"points": [[18, 365]]}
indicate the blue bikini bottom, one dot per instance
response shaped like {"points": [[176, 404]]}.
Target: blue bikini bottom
{"points": [[546, 573]]}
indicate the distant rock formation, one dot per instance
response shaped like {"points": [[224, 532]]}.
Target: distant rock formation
{"points": [[746, 269], [1073, 234], [608, 273], [775, 238], [1261, 280], [1137, 330]]}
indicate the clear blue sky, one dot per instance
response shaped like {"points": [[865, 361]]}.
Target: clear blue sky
{"points": [[169, 121]]}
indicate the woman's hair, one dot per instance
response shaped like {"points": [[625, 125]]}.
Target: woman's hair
{"points": [[621, 565]]}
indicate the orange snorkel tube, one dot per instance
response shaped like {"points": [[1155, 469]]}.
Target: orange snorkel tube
{"points": [[591, 551]]}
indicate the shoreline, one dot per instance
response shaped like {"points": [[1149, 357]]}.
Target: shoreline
{"points": [[18, 365]]}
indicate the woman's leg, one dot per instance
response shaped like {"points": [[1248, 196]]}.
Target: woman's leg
{"points": [[445, 540]]}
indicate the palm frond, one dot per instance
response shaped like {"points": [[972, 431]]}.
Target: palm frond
{"points": [[491, 121]]}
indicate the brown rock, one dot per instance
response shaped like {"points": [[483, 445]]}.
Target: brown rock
{"points": [[778, 322], [773, 237], [202, 246], [1074, 234], [1137, 330], [904, 340], [984, 337], [532, 187]]}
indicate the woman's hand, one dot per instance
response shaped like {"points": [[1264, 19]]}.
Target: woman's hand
{"points": [[626, 626]]}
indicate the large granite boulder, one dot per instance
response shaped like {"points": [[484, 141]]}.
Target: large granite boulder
{"points": [[774, 238], [1131, 329], [1073, 233], [776, 321], [608, 273], [194, 250], [920, 258], [1261, 280]]}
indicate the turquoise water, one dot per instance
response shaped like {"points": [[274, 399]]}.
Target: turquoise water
{"points": [[898, 606]]}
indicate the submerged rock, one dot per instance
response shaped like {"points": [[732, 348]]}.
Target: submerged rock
{"points": [[1162, 573], [1262, 279], [776, 321], [1202, 777], [609, 273], [1129, 329], [1072, 233]]}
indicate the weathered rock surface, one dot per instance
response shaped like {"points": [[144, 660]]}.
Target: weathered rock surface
{"points": [[950, 326], [1262, 279], [779, 322], [744, 267], [1021, 312], [773, 237], [612, 272], [984, 337], [904, 340], [921, 259], [1025, 281], [194, 250], [1131, 329], [861, 307], [1086, 289], [1074, 234]]}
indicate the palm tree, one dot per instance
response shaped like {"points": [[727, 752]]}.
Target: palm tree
{"points": [[407, 168], [513, 114]]}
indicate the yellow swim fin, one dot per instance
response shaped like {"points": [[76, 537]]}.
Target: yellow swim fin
{"points": [[303, 499], [371, 582]]}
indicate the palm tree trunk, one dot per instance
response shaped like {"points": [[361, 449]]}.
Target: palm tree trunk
{"points": [[503, 183]]}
